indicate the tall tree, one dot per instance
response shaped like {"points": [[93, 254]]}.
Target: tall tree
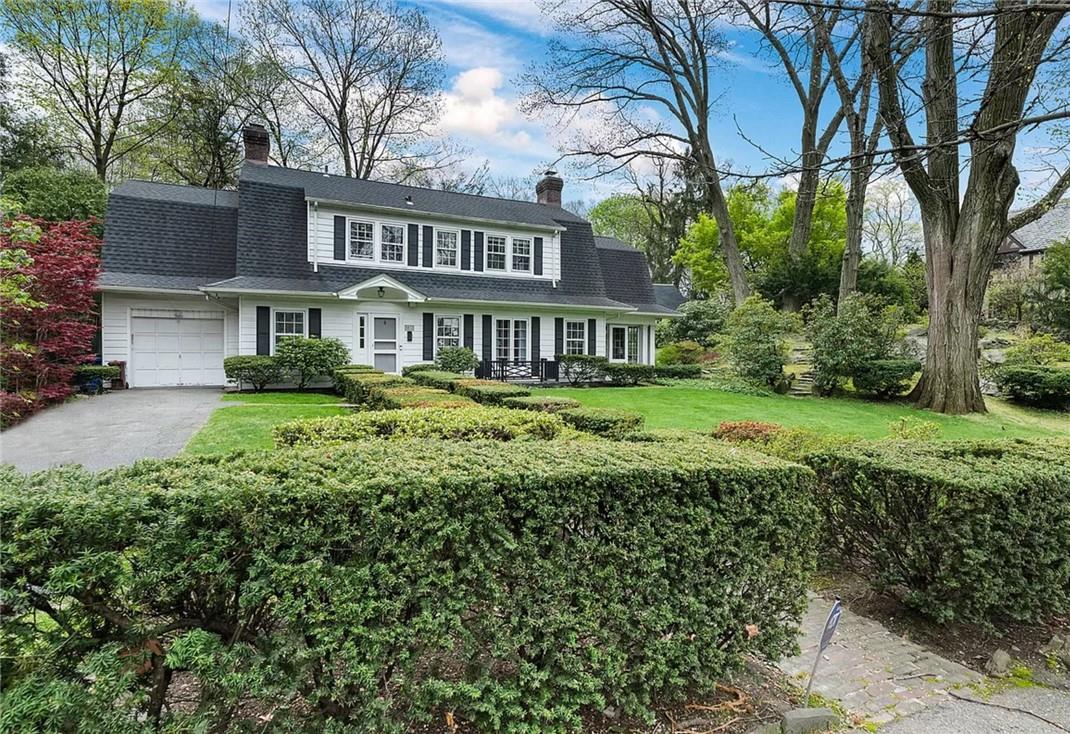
{"points": [[629, 63], [368, 70], [891, 225], [995, 52], [94, 65], [25, 140]]}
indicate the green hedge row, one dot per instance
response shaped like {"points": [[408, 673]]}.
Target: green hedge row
{"points": [[378, 585], [463, 424], [546, 403], [435, 378], [488, 392], [973, 531], [607, 422], [1044, 387], [678, 371]]}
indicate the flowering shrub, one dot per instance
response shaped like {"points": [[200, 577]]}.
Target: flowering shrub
{"points": [[746, 431], [49, 271]]}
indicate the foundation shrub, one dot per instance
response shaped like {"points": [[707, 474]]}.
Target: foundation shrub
{"points": [[607, 422], [628, 374]]}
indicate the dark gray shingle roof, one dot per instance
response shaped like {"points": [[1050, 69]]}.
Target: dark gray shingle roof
{"points": [[626, 275], [668, 295], [428, 201], [1053, 227]]}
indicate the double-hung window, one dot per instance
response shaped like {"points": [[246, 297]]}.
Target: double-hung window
{"points": [[520, 340], [575, 337], [521, 254], [361, 240], [447, 332], [495, 252], [446, 248], [392, 243], [289, 324]]}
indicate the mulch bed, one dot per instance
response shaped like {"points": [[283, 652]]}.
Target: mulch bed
{"points": [[969, 644]]}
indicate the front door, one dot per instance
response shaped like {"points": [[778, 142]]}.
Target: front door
{"points": [[385, 343]]}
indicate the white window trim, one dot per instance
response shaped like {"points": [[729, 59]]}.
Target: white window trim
{"points": [[379, 242], [512, 337], [627, 348], [486, 252], [350, 221], [583, 324], [460, 329], [434, 249], [304, 323], [509, 269], [530, 256]]}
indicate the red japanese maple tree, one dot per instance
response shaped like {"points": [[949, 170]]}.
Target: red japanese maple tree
{"points": [[47, 308]]}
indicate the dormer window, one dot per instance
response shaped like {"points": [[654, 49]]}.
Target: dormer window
{"points": [[521, 254], [496, 257], [392, 244], [361, 240], [446, 248]]}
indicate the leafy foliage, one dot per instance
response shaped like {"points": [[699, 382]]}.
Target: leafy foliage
{"points": [[256, 572], [974, 531], [755, 341], [463, 424], [607, 422], [1039, 350], [680, 353], [908, 428], [488, 392], [545, 403], [259, 370], [456, 359], [677, 371], [1052, 306], [47, 315], [57, 194], [628, 374], [701, 322], [435, 378], [581, 368], [1043, 387], [756, 431], [885, 378], [848, 340], [307, 360]]}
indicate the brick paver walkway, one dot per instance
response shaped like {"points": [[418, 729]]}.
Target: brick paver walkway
{"points": [[871, 671]]}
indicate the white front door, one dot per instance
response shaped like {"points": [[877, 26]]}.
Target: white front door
{"points": [[167, 351], [385, 344]]}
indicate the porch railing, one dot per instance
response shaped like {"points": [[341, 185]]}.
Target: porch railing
{"points": [[544, 370]]}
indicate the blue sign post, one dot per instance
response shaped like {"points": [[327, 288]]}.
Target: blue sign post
{"points": [[831, 622]]}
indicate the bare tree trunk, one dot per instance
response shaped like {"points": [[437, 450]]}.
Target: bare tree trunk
{"points": [[852, 249], [718, 205]]}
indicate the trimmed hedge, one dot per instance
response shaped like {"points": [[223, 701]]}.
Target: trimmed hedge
{"points": [[410, 369], [374, 586], [259, 370], [1044, 387], [885, 378], [365, 389], [86, 372], [579, 368], [545, 403], [462, 424], [607, 422], [436, 378], [973, 531], [488, 392], [628, 374], [414, 396], [677, 371]]}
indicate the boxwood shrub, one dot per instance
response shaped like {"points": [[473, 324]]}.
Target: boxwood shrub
{"points": [[885, 378], [258, 370], [972, 530], [420, 367], [1044, 387], [365, 389], [488, 392], [475, 422], [414, 396], [545, 403], [581, 368], [376, 586], [678, 371], [628, 374], [436, 378], [608, 422]]}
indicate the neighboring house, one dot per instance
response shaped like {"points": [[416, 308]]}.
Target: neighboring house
{"points": [[1026, 246], [193, 275]]}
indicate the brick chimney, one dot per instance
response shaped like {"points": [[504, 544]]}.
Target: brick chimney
{"points": [[548, 189], [257, 143]]}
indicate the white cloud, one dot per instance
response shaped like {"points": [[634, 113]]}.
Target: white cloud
{"points": [[473, 106], [523, 14]]}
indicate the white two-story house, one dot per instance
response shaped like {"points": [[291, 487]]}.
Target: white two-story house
{"points": [[395, 272]]}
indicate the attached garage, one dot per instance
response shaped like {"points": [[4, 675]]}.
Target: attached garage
{"points": [[170, 348]]}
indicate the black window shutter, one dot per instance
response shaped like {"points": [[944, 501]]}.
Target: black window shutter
{"points": [[488, 336], [537, 256], [314, 323], [429, 336], [428, 246], [339, 238], [466, 249], [478, 254], [414, 245], [263, 330], [592, 338], [469, 331], [559, 337], [536, 346]]}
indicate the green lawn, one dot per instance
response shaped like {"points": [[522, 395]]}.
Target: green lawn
{"points": [[696, 408], [248, 422]]}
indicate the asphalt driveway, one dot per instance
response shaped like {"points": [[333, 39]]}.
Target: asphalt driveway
{"points": [[109, 430]]}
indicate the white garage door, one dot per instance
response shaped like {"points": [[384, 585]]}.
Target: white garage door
{"points": [[176, 351]]}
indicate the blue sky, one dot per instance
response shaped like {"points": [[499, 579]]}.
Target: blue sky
{"points": [[488, 43]]}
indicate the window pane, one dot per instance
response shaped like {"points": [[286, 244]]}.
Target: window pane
{"points": [[617, 347], [495, 252], [501, 341], [521, 254], [520, 340], [575, 337], [289, 324], [633, 344], [446, 249], [448, 332], [361, 240], [393, 243]]}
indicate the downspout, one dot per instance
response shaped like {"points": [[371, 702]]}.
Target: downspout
{"points": [[315, 239]]}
